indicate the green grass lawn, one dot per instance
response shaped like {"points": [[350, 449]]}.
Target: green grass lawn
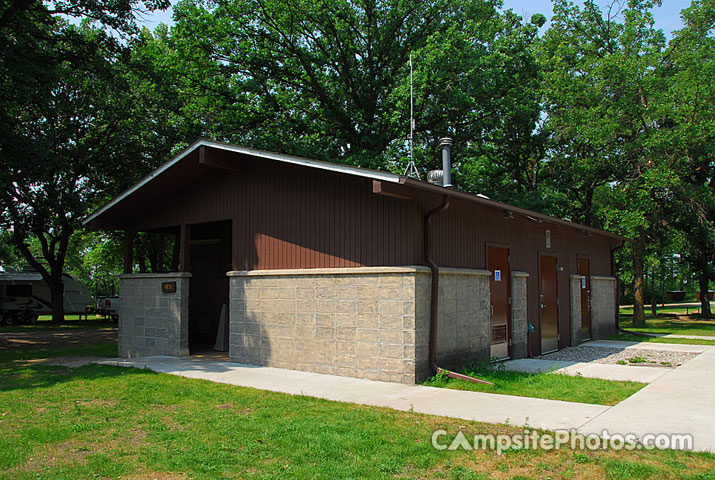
{"points": [[72, 322], [111, 422], [622, 337], [543, 385], [672, 309], [675, 324]]}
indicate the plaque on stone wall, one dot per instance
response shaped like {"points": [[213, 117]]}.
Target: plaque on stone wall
{"points": [[168, 287]]}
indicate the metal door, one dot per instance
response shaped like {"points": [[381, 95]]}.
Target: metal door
{"points": [[584, 269], [498, 265], [548, 303]]}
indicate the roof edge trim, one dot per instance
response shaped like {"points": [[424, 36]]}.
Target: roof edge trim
{"points": [[333, 167]]}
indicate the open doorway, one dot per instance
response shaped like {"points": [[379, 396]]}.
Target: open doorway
{"points": [[208, 293]]}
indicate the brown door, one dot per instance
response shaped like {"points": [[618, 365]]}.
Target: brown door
{"points": [[584, 269], [548, 303], [498, 266]]}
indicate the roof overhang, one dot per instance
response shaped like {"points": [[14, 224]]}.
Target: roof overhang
{"points": [[384, 183]]}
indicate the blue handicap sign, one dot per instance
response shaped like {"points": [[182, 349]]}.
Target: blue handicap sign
{"points": [[497, 275]]}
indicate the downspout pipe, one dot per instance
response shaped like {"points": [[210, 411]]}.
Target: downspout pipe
{"points": [[434, 297]]}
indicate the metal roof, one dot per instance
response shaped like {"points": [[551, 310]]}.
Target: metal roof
{"points": [[344, 169], [20, 277]]}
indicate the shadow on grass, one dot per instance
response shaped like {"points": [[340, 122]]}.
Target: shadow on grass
{"points": [[24, 375], [29, 368]]}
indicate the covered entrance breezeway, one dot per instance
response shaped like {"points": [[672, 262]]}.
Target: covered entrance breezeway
{"points": [[181, 273]]}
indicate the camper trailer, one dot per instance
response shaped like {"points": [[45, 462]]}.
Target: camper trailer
{"points": [[25, 295]]}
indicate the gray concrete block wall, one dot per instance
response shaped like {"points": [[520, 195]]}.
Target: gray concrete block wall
{"points": [[603, 306], [519, 319], [357, 322], [152, 322], [463, 325], [370, 322], [575, 307]]}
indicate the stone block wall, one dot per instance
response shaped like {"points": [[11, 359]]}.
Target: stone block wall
{"points": [[152, 322], [463, 324], [370, 322], [519, 320], [357, 322], [603, 306], [575, 307]]}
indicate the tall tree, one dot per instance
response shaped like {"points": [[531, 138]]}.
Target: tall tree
{"points": [[69, 135], [687, 113], [331, 79], [602, 77]]}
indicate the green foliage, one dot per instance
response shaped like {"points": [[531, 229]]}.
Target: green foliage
{"points": [[330, 80]]}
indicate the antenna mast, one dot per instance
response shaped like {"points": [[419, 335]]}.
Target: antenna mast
{"points": [[411, 170]]}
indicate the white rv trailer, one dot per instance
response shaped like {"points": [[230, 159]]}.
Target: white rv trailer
{"points": [[25, 295]]}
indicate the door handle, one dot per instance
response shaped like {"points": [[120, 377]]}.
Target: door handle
{"points": [[491, 310]]}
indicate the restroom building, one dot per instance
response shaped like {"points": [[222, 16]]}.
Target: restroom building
{"points": [[295, 263]]}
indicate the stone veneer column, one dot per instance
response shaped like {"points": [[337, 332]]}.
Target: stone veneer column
{"points": [[463, 325], [519, 321], [152, 322], [575, 296], [603, 306]]}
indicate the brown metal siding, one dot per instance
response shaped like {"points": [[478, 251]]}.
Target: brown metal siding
{"points": [[463, 230], [293, 217]]}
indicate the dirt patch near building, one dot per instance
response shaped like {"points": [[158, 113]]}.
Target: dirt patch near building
{"points": [[35, 339]]}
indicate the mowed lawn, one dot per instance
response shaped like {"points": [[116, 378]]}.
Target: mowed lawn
{"points": [[111, 422], [673, 323], [542, 385]]}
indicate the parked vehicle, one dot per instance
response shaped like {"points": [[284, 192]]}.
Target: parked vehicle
{"points": [[108, 306], [25, 295]]}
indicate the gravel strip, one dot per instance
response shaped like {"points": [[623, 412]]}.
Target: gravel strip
{"points": [[619, 356]]}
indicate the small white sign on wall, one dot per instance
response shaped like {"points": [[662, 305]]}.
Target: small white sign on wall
{"points": [[583, 282], [497, 275], [548, 238]]}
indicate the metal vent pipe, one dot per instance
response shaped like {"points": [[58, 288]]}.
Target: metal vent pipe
{"points": [[446, 144]]}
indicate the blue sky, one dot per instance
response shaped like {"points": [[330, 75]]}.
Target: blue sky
{"points": [[667, 16]]}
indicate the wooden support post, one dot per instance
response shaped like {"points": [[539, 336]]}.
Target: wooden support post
{"points": [[185, 248], [129, 251]]}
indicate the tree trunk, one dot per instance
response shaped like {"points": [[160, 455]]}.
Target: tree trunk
{"points": [[638, 290], [57, 295], [704, 290]]}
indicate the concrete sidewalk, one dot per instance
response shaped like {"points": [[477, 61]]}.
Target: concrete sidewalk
{"points": [[670, 347], [477, 406], [680, 401], [630, 373], [673, 335]]}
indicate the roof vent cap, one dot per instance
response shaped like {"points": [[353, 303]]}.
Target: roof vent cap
{"points": [[435, 177]]}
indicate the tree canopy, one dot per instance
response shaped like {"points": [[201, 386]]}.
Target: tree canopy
{"points": [[600, 119]]}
